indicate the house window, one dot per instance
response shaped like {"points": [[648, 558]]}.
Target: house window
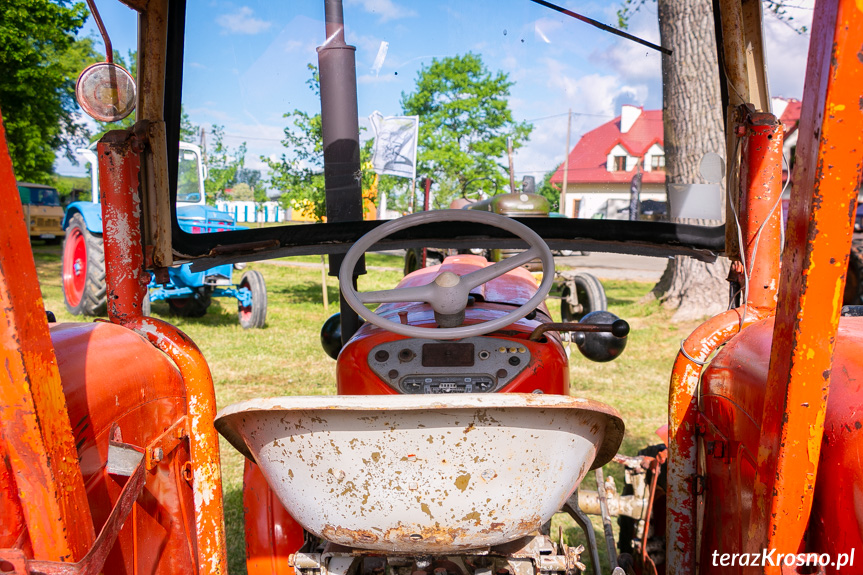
{"points": [[657, 162], [619, 163]]}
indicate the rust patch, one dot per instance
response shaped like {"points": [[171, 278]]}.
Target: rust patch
{"points": [[432, 537], [473, 516], [528, 525], [340, 534], [426, 510], [462, 481]]}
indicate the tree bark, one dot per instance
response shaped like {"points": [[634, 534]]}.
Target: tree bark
{"points": [[693, 126]]}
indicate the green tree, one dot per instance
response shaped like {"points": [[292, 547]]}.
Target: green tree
{"points": [[37, 50], [300, 175], [242, 192], [549, 192], [223, 163], [465, 122], [249, 176], [189, 132]]}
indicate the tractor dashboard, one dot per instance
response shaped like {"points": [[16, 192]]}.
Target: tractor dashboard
{"points": [[381, 363], [472, 365]]}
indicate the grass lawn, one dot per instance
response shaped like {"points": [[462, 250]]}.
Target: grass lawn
{"points": [[286, 358]]}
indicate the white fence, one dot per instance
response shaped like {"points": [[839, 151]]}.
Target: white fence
{"points": [[252, 212]]}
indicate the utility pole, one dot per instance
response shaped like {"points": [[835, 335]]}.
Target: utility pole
{"points": [[562, 205], [511, 171]]}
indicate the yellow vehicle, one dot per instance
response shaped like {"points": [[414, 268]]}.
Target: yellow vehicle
{"points": [[42, 211]]}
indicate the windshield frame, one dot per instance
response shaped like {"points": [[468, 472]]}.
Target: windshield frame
{"points": [[659, 239]]}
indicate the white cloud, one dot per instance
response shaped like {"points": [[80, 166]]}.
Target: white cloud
{"points": [[594, 93], [545, 27], [632, 60], [375, 79], [299, 47], [786, 50], [386, 10], [242, 22]]}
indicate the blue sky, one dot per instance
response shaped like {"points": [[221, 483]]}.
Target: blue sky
{"points": [[246, 62]]}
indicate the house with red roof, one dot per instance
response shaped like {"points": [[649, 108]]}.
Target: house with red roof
{"points": [[788, 112], [603, 162]]}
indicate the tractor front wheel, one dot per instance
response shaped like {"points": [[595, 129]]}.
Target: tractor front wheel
{"points": [[253, 316], [854, 277], [83, 270], [412, 260], [589, 293], [191, 306]]}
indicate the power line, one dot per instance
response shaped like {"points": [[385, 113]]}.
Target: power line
{"points": [[260, 139], [241, 136], [567, 113]]}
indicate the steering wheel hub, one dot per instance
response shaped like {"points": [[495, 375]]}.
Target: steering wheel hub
{"points": [[447, 279]]}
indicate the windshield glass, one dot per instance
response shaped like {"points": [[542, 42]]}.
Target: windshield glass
{"points": [[457, 104], [39, 196]]}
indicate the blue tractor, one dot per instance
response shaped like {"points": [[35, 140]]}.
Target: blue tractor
{"points": [[188, 293]]}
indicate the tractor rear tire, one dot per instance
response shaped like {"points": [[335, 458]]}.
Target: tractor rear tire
{"points": [[255, 315], [589, 293], [83, 275], [195, 306]]}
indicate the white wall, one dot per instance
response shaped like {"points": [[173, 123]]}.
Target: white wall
{"points": [[595, 197]]}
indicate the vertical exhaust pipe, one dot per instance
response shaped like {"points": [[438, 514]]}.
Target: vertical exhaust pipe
{"points": [[341, 135]]}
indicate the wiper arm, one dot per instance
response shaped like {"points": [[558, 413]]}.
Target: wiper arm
{"points": [[602, 26]]}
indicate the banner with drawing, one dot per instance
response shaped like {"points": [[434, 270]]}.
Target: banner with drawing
{"points": [[395, 148]]}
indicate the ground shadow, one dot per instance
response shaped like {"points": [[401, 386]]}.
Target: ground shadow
{"points": [[306, 292]]}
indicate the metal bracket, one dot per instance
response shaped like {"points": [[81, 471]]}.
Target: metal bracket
{"points": [[166, 442], [574, 511], [13, 561], [699, 484], [93, 562]]}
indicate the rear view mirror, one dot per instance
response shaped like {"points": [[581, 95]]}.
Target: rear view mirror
{"points": [[106, 92]]}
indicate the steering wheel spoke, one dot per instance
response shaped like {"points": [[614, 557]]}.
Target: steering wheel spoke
{"points": [[420, 293], [487, 274]]}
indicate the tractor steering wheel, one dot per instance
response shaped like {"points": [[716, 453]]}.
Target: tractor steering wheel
{"points": [[448, 293]]}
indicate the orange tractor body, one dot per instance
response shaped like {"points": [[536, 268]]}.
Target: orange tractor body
{"points": [[109, 451]]}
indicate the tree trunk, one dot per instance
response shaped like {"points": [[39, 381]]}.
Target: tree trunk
{"points": [[693, 125]]}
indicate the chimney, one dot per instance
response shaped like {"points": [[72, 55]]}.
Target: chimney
{"points": [[778, 105], [628, 116]]}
